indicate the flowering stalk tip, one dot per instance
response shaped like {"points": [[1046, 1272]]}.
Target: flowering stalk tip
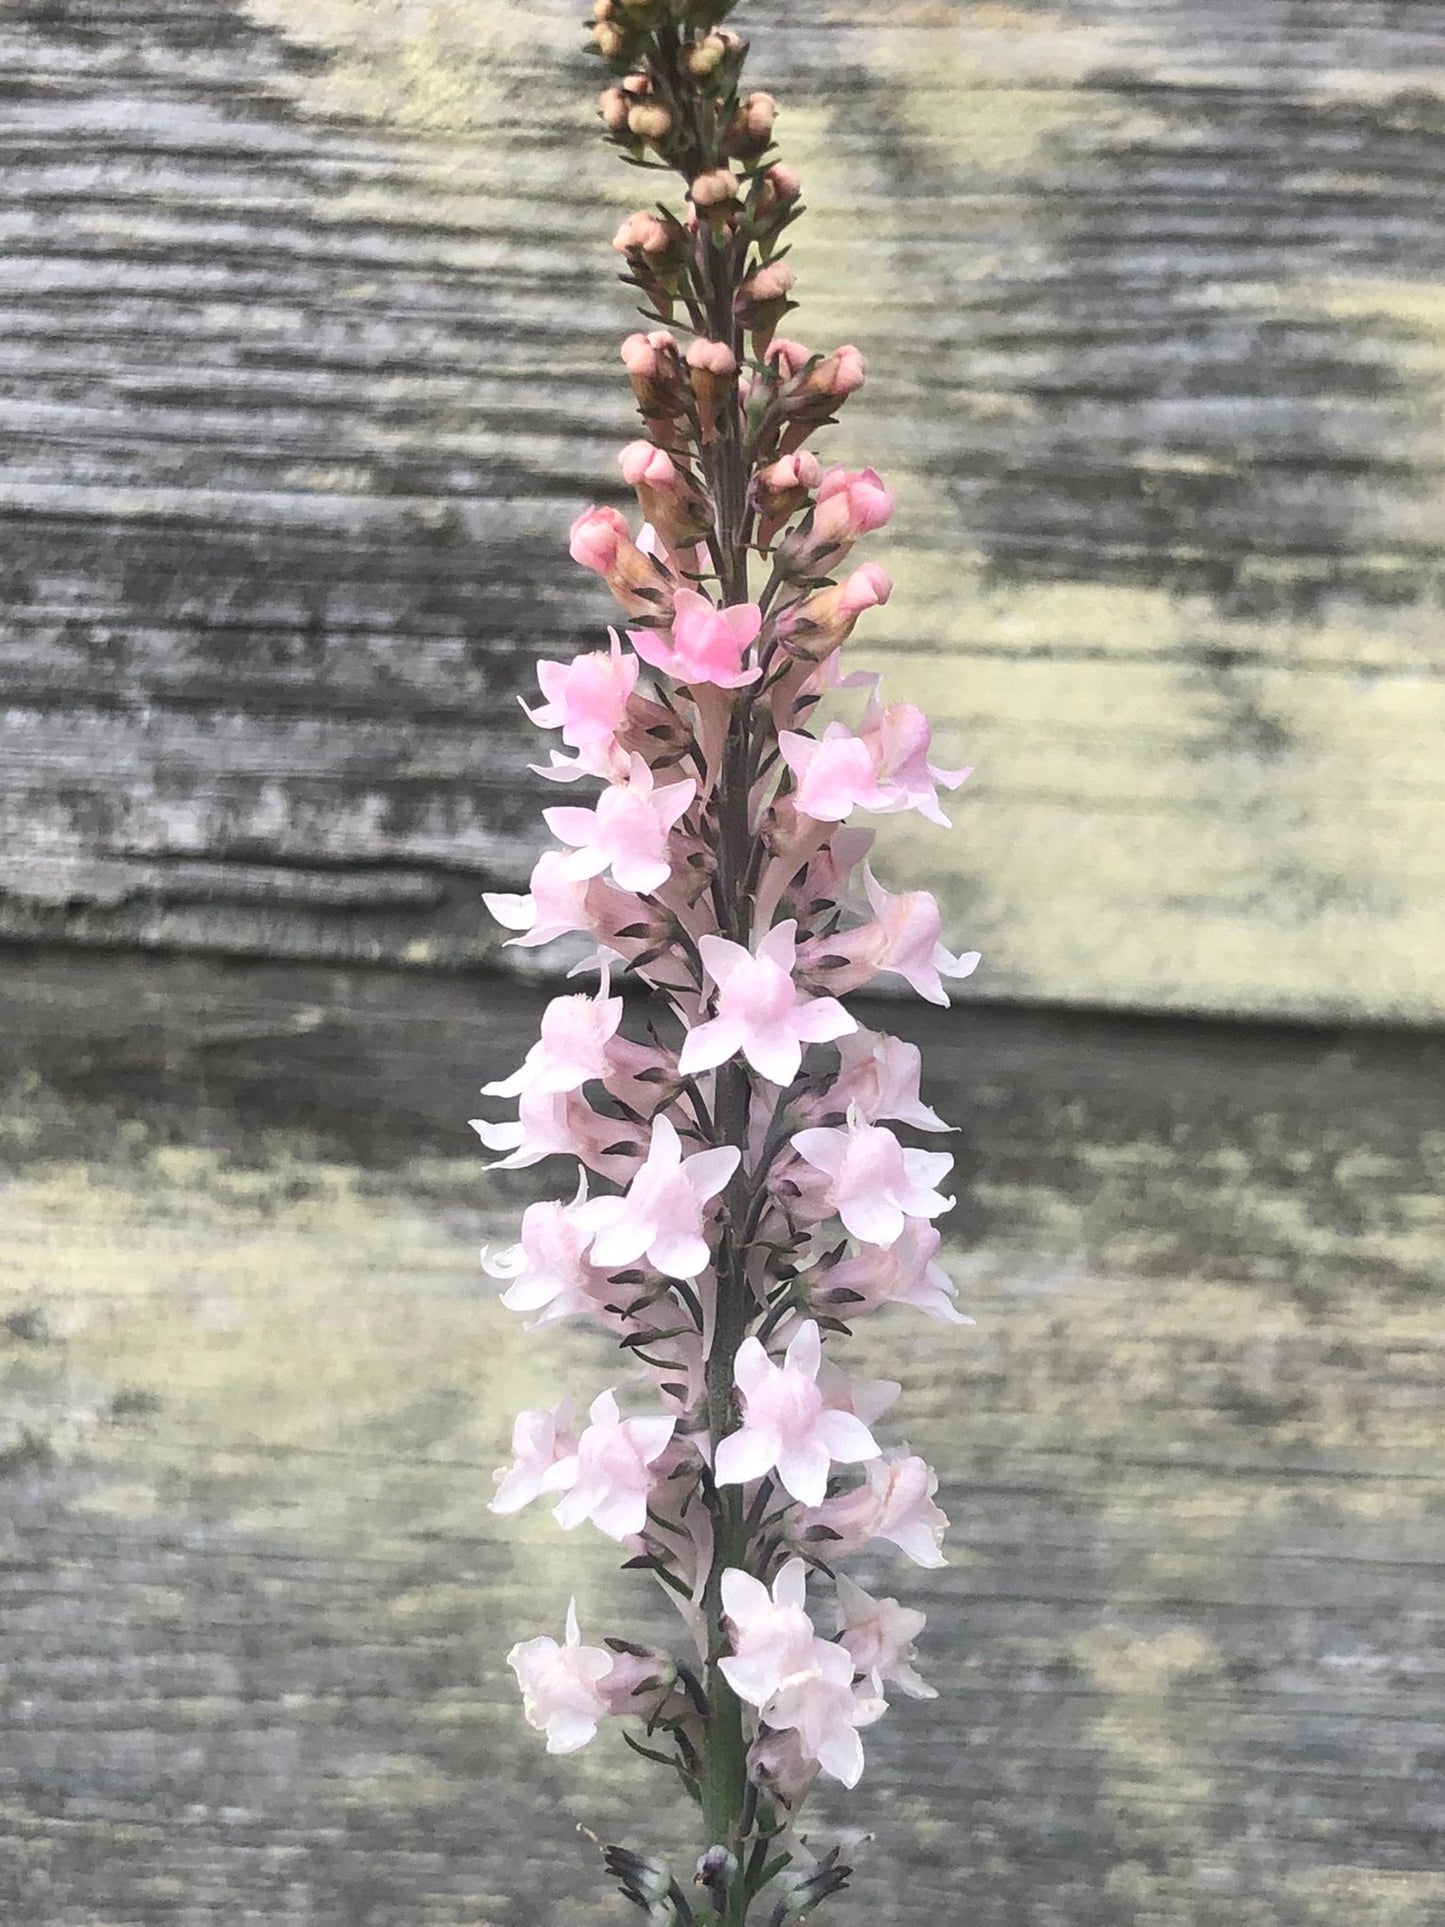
{"points": [[744, 1192]]}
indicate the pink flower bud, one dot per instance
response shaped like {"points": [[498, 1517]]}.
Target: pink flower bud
{"points": [[612, 107], [850, 503], [784, 181], [750, 131], [602, 542], [788, 357], [780, 490], [712, 357], [654, 368], [762, 300], [650, 120], [705, 57], [815, 628], [644, 466], [713, 367], [837, 375], [642, 233], [609, 39], [865, 588], [717, 188], [596, 537]]}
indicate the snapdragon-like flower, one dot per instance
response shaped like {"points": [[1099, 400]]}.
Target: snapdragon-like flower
{"points": [[878, 1077], [799, 1683], [607, 1479], [707, 645], [562, 1692], [787, 1428], [760, 1015], [893, 1502], [554, 906], [548, 1267], [587, 700], [904, 1273], [661, 1216], [627, 832], [879, 1633], [572, 1050], [875, 1184], [541, 1441]]}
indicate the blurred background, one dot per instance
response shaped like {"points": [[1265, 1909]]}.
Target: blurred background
{"points": [[307, 360]]}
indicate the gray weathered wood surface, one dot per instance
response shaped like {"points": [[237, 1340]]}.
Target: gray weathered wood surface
{"points": [[253, 1612], [307, 336]]}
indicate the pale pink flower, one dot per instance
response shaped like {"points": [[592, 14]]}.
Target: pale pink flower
{"points": [[758, 1010], [824, 1709], [879, 1076], [894, 1502], [786, 1425], [572, 1049], [627, 832], [772, 1635], [900, 737], [879, 1633], [835, 774], [909, 926], [608, 1480], [560, 1124], [541, 1441], [707, 645], [903, 1273], [587, 701], [903, 938], [661, 1216], [548, 1266], [875, 1184], [778, 1762], [553, 907], [561, 1686]]}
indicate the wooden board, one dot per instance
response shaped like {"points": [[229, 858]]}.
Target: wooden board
{"points": [[307, 339], [253, 1613]]}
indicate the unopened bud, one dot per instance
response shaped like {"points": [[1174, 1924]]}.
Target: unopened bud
{"points": [[713, 367], [669, 499], [718, 187], [762, 300], [750, 131], [609, 39], [654, 368], [642, 233], [650, 120], [780, 490], [716, 1870], [790, 358], [638, 85], [705, 56], [612, 107], [838, 374]]}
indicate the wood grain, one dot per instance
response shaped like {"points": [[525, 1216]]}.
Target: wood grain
{"points": [[307, 336]]}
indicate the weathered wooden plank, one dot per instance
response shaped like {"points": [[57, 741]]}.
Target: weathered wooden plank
{"points": [[305, 324], [251, 1391]]}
